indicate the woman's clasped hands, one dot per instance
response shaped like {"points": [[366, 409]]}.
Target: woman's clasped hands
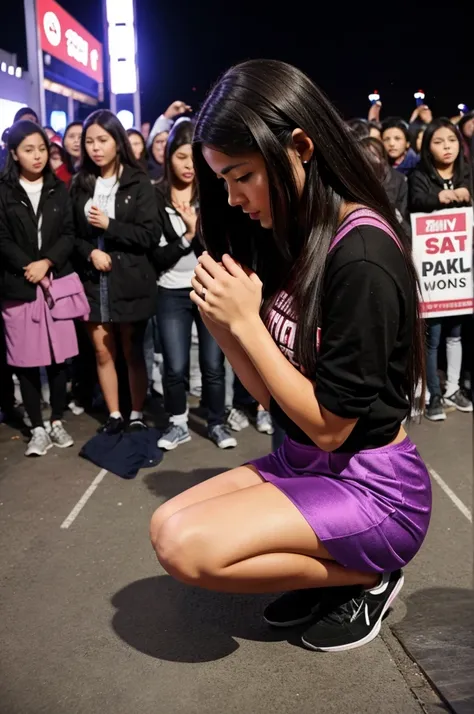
{"points": [[226, 293]]}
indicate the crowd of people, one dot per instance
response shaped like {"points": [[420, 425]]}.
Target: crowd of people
{"points": [[276, 236], [99, 242]]}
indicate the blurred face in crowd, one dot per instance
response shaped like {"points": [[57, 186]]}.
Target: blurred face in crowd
{"points": [[444, 147], [32, 156], [137, 145], [468, 129], [72, 141], [55, 159], [395, 143], [158, 147], [246, 181], [146, 129], [182, 164], [100, 145]]}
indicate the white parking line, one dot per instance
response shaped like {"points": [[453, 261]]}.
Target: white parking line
{"points": [[450, 493], [100, 476], [83, 500]]}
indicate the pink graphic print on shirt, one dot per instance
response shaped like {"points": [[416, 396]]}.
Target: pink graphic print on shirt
{"points": [[281, 324]]}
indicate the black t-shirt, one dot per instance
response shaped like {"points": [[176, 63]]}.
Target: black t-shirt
{"points": [[365, 339]]}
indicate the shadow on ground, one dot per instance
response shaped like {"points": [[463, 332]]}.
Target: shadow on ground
{"points": [[438, 633], [166, 483], [164, 619]]}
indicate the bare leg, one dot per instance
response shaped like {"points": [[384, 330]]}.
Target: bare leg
{"points": [[230, 481], [132, 336], [251, 540], [104, 345]]}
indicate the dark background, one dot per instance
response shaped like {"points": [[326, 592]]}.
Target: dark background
{"points": [[395, 47]]}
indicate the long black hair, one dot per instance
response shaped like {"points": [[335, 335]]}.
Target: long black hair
{"points": [[17, 133], [180, 135], [359, 128], [427, 161], [255, 107], [376, 154], [89, 171]]}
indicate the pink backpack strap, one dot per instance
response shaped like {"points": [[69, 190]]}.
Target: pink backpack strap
{"points": [[364, 217]]}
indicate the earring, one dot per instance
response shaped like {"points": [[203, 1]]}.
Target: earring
{"points": [[305, 162]]}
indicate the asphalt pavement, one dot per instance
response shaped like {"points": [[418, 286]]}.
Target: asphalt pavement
{"points": [[90, 624]]}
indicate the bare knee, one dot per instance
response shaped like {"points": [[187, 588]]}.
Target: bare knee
{"points": [[181, 549], [104, 356], [159, 517]]}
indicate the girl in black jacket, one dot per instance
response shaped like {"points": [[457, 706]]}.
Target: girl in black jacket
{"points": [[36, 241], [116, 220], [442, 181], [175, 258]]}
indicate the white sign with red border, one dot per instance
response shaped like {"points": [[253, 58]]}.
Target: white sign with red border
{"points": [[442, 251]]}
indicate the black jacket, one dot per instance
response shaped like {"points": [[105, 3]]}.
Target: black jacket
{"points": [[129, 240], [19, 235], [424, 188], [396, 187], [166, 256]]}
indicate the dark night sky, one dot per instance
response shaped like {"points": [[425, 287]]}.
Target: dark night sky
{"points": [[187, 44]]}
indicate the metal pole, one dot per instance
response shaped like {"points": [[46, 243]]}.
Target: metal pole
{"points": [[35, 60], [137, 109], [112, 97], [70, 109]]}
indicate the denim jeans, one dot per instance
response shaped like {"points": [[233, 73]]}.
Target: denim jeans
{"points": [[175, 316], [434, 327]]}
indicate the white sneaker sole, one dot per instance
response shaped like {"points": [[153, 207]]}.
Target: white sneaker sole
{"points": [[266, 430], [436, 417], [226, 444], [454, 407], [171, 446], [36, 452], [368, 638]]}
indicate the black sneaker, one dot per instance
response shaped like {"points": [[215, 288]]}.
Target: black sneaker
{"points": [[357, 621], [135, 425], [300, 606], [435, 411], [113, 425]]}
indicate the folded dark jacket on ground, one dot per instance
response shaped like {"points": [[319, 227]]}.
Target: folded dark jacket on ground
{"points": [[124, 454]]}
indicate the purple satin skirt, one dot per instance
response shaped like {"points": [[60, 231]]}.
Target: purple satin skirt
{"points": [[371, 510]]}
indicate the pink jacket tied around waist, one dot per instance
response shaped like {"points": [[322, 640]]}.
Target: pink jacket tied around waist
{"points": [[42, 332]]}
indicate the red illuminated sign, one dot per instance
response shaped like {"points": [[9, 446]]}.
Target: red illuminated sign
{"points": [[64, 38]]}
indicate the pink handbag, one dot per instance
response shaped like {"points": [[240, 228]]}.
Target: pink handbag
{"points": [[66, 298]]}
